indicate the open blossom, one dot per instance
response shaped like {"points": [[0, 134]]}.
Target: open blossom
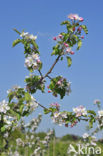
{"points": [[100, 113], [68, 88], [68, 50], [85, 135], [4, 106], [58, 117], [14, 88], [32, 61], [75, 17], [26, 35], [33, 104], [8, 120], [80, 110], [19, 142]]}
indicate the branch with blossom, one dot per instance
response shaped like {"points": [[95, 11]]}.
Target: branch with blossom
{"points": [[21, 102]]}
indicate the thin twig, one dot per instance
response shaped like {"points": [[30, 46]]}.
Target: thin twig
{"points": [[50, 70]]}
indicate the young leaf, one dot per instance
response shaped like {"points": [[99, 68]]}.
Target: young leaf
{"points": [[79, 44], [15, 42], [84, 28], [69, 61]]}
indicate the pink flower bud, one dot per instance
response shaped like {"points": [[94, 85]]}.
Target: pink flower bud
{"points": [[79, 29], [59, 82], [73, 28], [60, 36], [81, 19], [49, 91], [72, 52], [82, 37], [68, 50], [54, 38], [38, 61], [66, 45]]}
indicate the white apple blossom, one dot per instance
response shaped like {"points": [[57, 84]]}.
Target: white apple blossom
{"points": [[80, 110], [27, 36], [4, 106], [59, 117], [24, 34], [37, 150], [19, 142], [68, 88], [75, 17], [32, 37], [100, 113], [33, 104], [14, 88], [32, 61], [85, 135]]}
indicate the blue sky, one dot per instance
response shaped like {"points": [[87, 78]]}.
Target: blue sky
{"points": [[43, 18]]}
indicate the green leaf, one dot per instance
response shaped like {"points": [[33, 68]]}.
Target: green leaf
{"points": [[40, 66], [61, 58], [15, 42], [69, 61], [65, 22], [84, 28], [3, 129], [79, 44], [27, 96], [34, 44], [46, 111], [21, 108], [91, 112], [53, 53]]}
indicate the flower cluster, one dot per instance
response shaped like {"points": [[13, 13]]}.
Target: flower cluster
{"points": [[59, 85], [13, 89], [33, 124], [59, 117], [28, 36], [32, 61], [91, 139], [80, 111], [47, 138], [65, 46], [19, 142], [55, 104], [32, 104], [4, 106], [75, 17]]}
